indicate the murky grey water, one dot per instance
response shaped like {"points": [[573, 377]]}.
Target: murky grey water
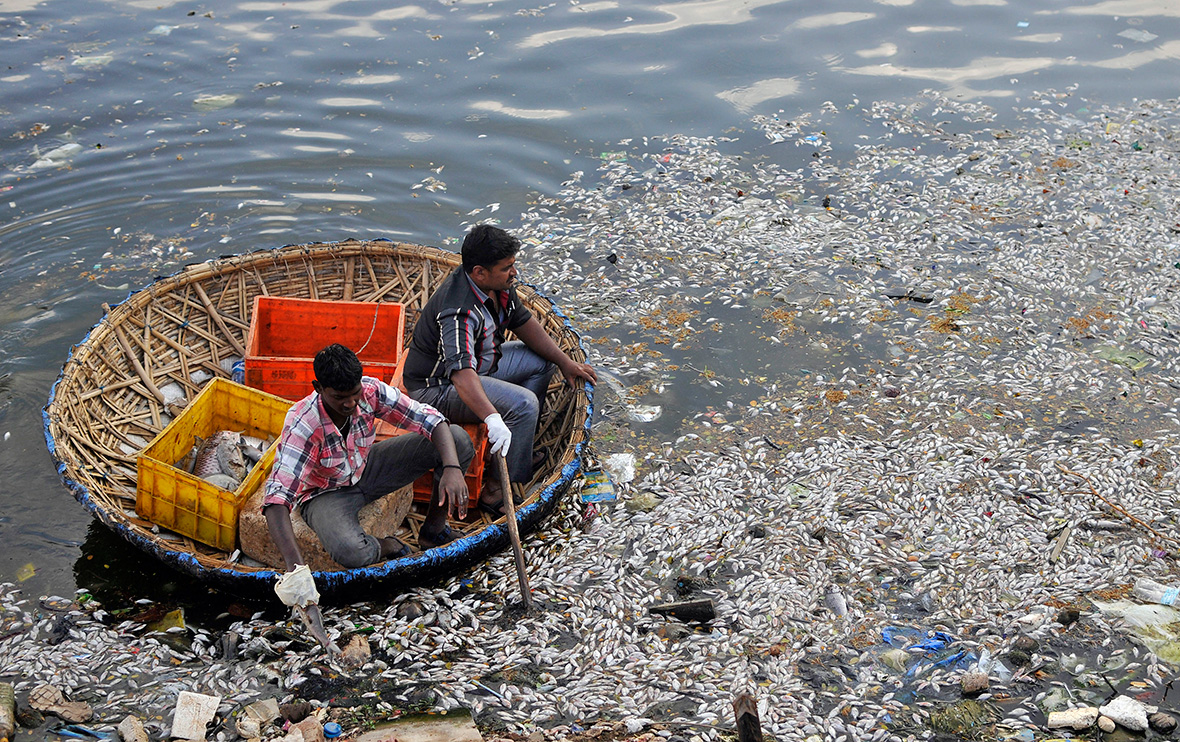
{"points": [[136, 137]]}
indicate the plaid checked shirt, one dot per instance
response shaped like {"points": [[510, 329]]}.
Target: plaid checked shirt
{"points": [[312, 457]]}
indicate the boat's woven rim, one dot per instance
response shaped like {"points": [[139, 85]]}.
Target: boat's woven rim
{"points": [[471, 548]]}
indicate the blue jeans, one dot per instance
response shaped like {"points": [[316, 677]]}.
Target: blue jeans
{"points": [[516, 390], [392, 464]]}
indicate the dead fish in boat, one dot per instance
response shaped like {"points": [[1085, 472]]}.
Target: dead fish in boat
{"points": [[224, 481], [254, 448], [221, 453]]}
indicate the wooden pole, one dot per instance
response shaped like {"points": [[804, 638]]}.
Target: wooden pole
{"points": [[514, 533], [745, 711]]}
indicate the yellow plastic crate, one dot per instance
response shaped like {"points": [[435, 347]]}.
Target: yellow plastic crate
{"points": [[173, 498]]}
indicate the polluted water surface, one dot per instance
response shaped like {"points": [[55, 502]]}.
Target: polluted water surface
{"points": [[912, 459]]}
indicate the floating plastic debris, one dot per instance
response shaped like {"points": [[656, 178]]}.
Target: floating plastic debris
{"points": [[214, 102], [597, 487], [1138, 34], [94, 62]]}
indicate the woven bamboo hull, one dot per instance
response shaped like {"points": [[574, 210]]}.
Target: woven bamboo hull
{"points": [[106, 403]]}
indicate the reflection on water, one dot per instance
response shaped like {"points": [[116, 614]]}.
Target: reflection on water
{"points": [[118, 574], [138, 137]]}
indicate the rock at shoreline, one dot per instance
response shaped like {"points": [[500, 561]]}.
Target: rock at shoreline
{"points": [[1162, 723], [974, 682], [1025, 643], [1126, 712]]}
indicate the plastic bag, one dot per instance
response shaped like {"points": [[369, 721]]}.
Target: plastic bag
{"points": [[297, 587]]}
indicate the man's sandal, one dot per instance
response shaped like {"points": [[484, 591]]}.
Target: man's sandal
{"points": [[400, 550], [445, 536]]}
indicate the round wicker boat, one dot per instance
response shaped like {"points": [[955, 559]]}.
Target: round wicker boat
{"points": [[107, 401]]}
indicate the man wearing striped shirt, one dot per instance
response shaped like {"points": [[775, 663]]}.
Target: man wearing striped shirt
{"points": [[460, 364]]}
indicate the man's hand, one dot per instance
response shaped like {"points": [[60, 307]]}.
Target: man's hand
{"points": [[573, 371], [498, 434], [452, 492], [297, 587]]}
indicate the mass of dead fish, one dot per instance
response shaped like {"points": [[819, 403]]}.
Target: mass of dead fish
{"points": [[863, 459]]}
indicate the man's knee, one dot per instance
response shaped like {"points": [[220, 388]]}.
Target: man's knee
{"points": [[525, 407], [354, 552]]}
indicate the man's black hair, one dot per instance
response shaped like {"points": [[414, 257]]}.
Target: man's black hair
{"points": [[337, 367], [487, 245]]}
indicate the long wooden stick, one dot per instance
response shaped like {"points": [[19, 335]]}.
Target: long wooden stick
{"points": [[1114, 507], [514, 533], [139, 369]]}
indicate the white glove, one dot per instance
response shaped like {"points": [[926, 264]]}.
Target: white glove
{"points": [[498, 434], [297, 587]]}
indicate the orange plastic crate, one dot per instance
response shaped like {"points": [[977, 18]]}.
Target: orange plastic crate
{"points": [[184, 503], [424, 485], [285, 334]]}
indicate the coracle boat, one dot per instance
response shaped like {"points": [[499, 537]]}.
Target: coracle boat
{"points": [[184, 330]]}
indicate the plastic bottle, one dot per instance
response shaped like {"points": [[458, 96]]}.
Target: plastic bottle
{"points": [[1155, 592], [7, 712]]}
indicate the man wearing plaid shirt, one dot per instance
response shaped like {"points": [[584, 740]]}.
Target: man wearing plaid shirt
{"points": [[327, 465]]}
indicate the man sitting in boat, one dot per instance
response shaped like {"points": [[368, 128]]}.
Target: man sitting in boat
{"points": [[327, 464], [459, 363]]}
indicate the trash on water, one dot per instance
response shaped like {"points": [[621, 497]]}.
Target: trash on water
{"points": [[131, 730], [163, 30], [214, 102], [26, 572], [597, 487], [1130, 359], [1153, 624], [93, 62], [192, 713], [896, 659], [49, 699], [621, 467], [1155, 592], [1137, 34], [700, 611], [992, 666], [640, 413], [934, 647], [643, 413]]}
